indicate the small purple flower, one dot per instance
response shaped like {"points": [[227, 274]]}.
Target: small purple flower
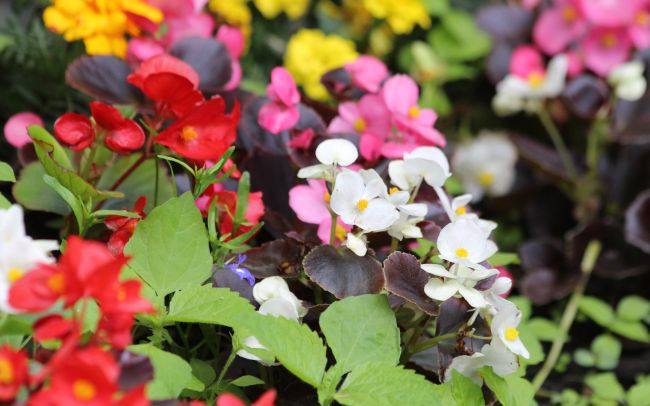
{"points": [[240, 271]]}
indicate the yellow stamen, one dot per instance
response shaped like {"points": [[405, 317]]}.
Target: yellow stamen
{"points": [[362, 204], [485, 178], [327, 197], [189, 134], [608, 40], [535, 80], [569, 13], [14, 274], [121, 294], [461, 210], [56, 283], [393, 190], [414, 112], [340, 232], [359, 125], [83, 390], [511, 334], [461, 253], [6, 372]]}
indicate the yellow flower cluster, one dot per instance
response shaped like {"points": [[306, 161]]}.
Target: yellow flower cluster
{"points": [[101, 24], [235, 13], [310, 54], [272, 8], [402, 15]]}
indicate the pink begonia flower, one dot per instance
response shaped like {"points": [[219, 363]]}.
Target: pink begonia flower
{"points": [[367, 73], [610, 13], [368, 118], [605, 48], [143, 48], [527, 63], [530, 4], [15, 128], [310, 203], [302, 140], [401, 94], [281, 112], [558, 26], [233, 39], [193, 25], [639, 29]]}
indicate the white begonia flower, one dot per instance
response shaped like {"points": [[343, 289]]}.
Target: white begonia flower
{"points": [[628, 81], [362, 204], [357, 244], [19, 253], [337, 151], [321, 171], [495, 355], [464, 242], [277, 300], [486, 165], [515, 93], [504, 327], [459, 210], [423, 163], [458, 280]]}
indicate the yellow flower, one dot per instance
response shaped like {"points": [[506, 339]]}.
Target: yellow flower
{"points": [[101, 24], [310, 54], [235, 13], [402, 16], [351, 13], [272, 8]]}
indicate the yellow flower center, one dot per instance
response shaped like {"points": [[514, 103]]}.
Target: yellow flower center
{"points": [[393, 190], [327, 197], [14, 274], [359, 125], [461, 210], [535, 80], [189, 134], [56, 283], [6, 372], [461, 252], [569, 13], [414, 112], [608, 40], [340, 232], [642, 18], [362, 204], [83, 390], [511, 334], [485, 178], [121, 294]]}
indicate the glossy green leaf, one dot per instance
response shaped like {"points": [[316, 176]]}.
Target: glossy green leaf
{"points": [[206, 304], [633, 330], [33, 193], [510, 390], [172, 373], [6, 173], [633, 308], [465, 391]]}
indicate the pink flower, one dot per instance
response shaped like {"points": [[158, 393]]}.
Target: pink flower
{"points": [[367, 73], [16, 128], [281, 112], [143, 48], [527, 63], [639, 29], [576, 65], [401, 94], [369, 118], [302, 139], [530, 4], [610, 13], [233, 39], [558, 26], [605, 48], [310, 202]]}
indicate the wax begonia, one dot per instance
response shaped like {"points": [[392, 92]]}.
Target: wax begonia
{"points": [[13, 372], [367, 73], [121, 135], [15, 129], [463, 242], [558, 26], [233, 39], [628, 81], [281, 112], [458, 280], [330, 153]]}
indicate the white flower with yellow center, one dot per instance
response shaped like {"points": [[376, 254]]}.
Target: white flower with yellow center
{"points": [[460, 209], [423, 163], [628, 80], [362, 203], [464, 242], [486, 165], [19, 253], [495, 355], [330, 153], [459, 280], [504, 327]]}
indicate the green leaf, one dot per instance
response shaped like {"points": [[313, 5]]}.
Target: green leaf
{"points": [[504, 258], [361, 329], [297, 347], [584, 358], [531, 342], [72, 200], [436, 7], [206, 304], [606, 386], [243, 190], [32, 192], [458, 38], [380, 384], [247, 380], [43, 139], [597, 310], [607, 350], [632, 330], [203, 371], [544, 329], [15, 325], [4, 202], [6, 173], [639, 393], [170, 247], [510, 390], [172, 373], [465, 392], [633, 308]]}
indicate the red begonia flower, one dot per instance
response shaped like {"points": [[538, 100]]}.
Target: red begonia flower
{"points": [[74, 130], [121, 134], [13, 372]]}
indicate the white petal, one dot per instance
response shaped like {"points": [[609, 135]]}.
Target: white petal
{"points": [[337, 151], [280, 307], [439, 290], [316, 172], [437, 270], [414, 209], [501, 285], [555, 75], [400, 177], [356, 244], [348, 190], [631, 90], [473, 296], [269, 288], [460, 201], [378, 216], [467, 365], [502, 361]]}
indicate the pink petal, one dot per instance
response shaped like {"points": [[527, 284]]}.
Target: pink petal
{"points": [[339, 125], [396, 150], [526, 60], [15, 128], [601, 57], [141, 49], [374, 112], [370, 146], [367, 73], [400, 93], [197, 25], [325, 227], [576, 65], [349, 112], [530, 4], [608, 13], [308, 202], [233, 39], [639, 30], [235, 76], [553, 32], [283, 88], [302, 140], [276, 118]]}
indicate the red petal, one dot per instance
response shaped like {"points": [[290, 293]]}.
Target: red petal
{"points": [[75, 130]]}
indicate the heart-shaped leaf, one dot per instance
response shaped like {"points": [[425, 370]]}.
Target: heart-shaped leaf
{"points": [[103, 77], [275, 258], [405, 278]]}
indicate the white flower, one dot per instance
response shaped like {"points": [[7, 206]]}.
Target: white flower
{"points": [[459, 209], [628, 80], [362, 204], [495, 355], [19, 253], [330, 153], [357, 244], [504, 327], [486, 165], [321, 171], [458, 280], [464, 242], [423, 163], [515, 93]]}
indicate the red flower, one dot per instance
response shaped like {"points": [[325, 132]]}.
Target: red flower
{"points": [[205, 133], [38, 289], [122, 135], [227, 206], [123, 227], [13, 372], [115, 328], [53, 327], [267, 399], [74, 130]]}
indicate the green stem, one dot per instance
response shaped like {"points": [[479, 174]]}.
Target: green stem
{"points": [[417, 332], [432, 342], [231, 358], [333, 229], [588, 262], [558, 142], [394, 244], [88, 163]]}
